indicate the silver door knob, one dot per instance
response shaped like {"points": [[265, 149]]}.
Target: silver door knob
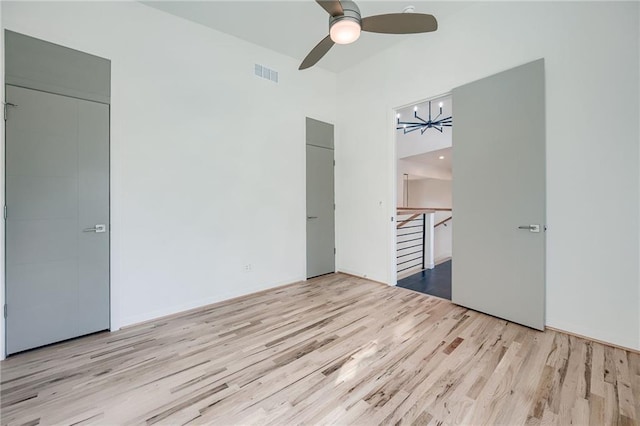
{"points": [[97, 229], [312, 217], [531, 228]]}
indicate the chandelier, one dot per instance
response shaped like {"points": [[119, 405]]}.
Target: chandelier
{"points": [[422, 125]]}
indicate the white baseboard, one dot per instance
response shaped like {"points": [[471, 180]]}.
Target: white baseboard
{"points": [[194, 304], [361, 275], [600, 336]]}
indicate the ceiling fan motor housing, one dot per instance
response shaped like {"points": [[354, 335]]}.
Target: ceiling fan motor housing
{"points": [[351, 13]]}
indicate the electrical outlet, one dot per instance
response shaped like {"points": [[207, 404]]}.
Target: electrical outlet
{"points": [[247, 267]]}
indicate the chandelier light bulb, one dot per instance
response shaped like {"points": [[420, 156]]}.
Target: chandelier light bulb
{"points": [[345, 31], [415, 108], [441, 104]]}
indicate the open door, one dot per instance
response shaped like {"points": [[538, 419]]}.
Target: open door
{"points": [[499, 195]]}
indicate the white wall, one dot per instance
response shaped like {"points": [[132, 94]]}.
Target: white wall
{"points": [[414, 143], [435, 193], [208, 161], [416, 170], [592, 170], [187, 171], [419, 169]]}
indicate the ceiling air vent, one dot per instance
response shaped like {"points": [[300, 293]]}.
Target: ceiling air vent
{"points": [[266, 73]]}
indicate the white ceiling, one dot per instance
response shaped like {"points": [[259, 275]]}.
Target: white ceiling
{"points": [[431, 160], [294, 27], [406, 113]]}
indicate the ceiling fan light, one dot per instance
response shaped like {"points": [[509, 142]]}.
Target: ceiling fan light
{"points": [[345, 31]]}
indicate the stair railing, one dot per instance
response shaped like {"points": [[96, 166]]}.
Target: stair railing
{"points": [[414, 238]]}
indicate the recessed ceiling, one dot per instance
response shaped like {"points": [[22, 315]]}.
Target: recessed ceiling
{"points": [[431, 160], [406, 113], [293, 28], [416, 142]]}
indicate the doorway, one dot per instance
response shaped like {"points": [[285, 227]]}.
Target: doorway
{"points": [[498, 195], [57, 193], [320, 198], [424, 180]]}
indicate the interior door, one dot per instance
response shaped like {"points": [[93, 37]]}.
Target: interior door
{"points": [[320, 199], [499, 195], [57, 218]]}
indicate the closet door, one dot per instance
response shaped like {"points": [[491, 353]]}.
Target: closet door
{"points": [[57, 225]]}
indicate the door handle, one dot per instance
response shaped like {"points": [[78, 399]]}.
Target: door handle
{"points": [[531, 228], [97, 229], [312, 217]]}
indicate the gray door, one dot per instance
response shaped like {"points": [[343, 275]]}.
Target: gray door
{"points": [[320, 199], [499, 195], [57, 226]]}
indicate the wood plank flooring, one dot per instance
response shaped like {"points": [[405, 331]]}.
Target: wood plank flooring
{"points": [[333, 350]]}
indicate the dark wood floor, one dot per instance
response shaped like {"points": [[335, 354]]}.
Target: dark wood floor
{"points": [[435, 282], [333, 350]]}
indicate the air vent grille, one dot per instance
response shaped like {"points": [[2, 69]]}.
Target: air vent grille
{"points": [[266, 73]]}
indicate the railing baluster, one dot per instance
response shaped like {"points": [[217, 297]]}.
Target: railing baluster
{"points": [[424, 228], [413, 216]]}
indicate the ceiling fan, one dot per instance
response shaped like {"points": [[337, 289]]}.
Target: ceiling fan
{"points": [[345, 24]]}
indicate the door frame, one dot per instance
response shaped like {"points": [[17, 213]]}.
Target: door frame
{"points": [[392, 278], [114, 302], [335, 236]]}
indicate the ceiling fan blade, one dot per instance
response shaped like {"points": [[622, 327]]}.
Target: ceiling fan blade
{"points": [[400, 23], [333, 7], [317, 53]]}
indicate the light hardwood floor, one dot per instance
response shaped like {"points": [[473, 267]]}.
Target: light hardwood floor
{"points": [[338, 350]]}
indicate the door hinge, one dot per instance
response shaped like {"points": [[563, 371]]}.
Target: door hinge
{"points": [[5, 212], [7, 104], [5, 310], [334, 250]]}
